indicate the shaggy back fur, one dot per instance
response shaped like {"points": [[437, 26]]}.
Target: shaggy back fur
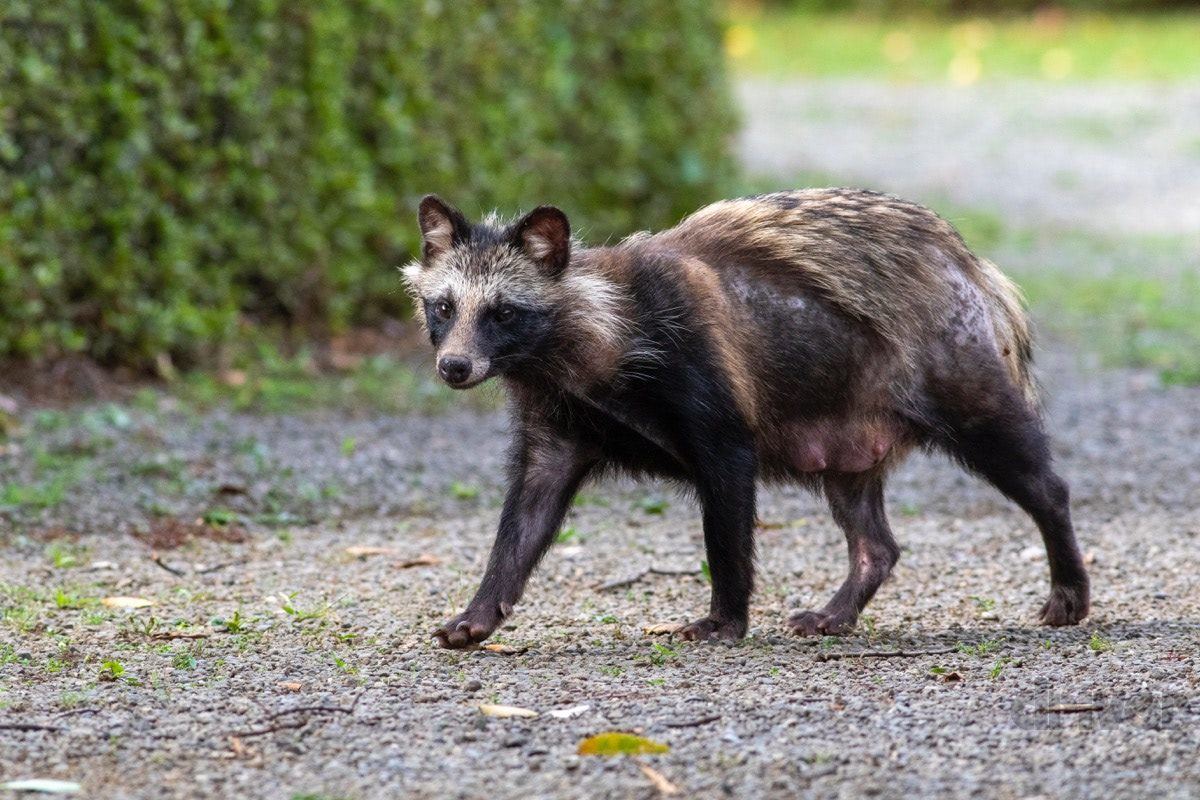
{"points": [[887, 262]]}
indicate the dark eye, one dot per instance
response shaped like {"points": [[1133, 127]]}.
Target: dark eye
{"points": [[443, 309], [505, 313]]}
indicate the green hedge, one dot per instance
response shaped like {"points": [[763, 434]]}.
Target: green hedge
{"points": [[982, 6], [176, 170]]}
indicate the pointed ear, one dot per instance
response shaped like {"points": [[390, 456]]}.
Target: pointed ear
{"points": [[545, 236], [442, 226]]}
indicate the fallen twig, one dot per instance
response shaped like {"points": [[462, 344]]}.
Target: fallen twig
{"points": [[168, 635], [617, 583], [668, 571], [27, 726], [885, 654], [157, 559], [423, 560], [74, 711], [694, 723], [311, 710], [288, 726], [180, 573], [216, 567], [1070, 708], [665, 787]]}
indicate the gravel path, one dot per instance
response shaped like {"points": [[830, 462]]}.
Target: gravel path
{"points": [[343, 636], [1114, 158], [276, 664]]}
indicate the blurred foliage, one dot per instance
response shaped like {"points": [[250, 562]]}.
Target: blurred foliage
{"points": [[978, 6], [1050, 44], [175, 171]]}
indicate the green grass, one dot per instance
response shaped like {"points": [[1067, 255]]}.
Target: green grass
{"points": [[567, 535], [265, 381], [464, 491], [53, 477], [45, 494], [1132, 300], [764, 40], [1130, 320], [983, 648], [111, 670]]}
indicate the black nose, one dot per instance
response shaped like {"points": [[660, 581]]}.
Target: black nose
{"points": [[454, 369]]}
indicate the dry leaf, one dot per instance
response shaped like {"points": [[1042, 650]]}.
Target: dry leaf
{"points": [[616, 743], [662, 628], [664, 786], [126, 602], [504, 649], [423, 560], [568, 713], [362, 550], [290, 686], [505, 712]]}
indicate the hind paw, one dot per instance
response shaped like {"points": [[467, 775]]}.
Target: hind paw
{"points": [[1068, 604], [822, 623]]}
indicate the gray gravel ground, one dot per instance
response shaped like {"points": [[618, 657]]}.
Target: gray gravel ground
{"points": [[209, 716], [275, 664], [1100, 156]]}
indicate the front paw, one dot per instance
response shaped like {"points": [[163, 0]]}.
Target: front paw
{"points": [[468, 628], [1068, 604], [710, 629]]}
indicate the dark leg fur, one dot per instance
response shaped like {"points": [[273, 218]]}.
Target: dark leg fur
{"points": [[857, 505], [1008, 447], [726, 484], [546, 473]]}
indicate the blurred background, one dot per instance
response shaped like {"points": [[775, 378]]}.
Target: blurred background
{"points": [[226, 186], [233, 497], [204, 202]]}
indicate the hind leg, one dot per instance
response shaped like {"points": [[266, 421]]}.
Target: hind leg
{"points": [[1007, 445], [857, 505]]}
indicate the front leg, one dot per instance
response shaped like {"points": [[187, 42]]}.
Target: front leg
{"points": [[546, 471], [726, 485]]}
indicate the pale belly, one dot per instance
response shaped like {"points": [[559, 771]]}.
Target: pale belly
{"points": [[840, 445]]}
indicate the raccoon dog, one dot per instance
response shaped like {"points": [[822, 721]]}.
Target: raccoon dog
{"points": [[812, 336]]}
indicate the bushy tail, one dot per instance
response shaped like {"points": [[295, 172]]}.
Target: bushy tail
{"points": [[1012, 325]]}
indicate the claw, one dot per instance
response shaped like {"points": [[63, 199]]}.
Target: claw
{"points": [[713, 630], [1068, 604], [465, 630], [819, 623]]}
